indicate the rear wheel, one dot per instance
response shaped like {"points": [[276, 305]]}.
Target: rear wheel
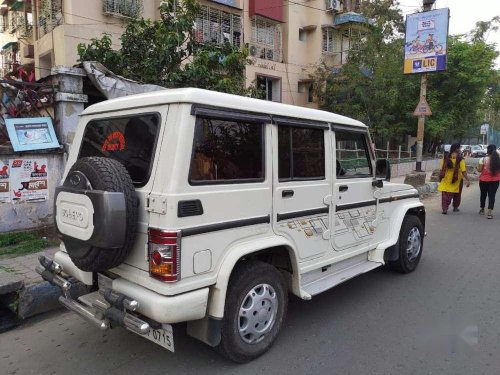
{"points": [[410, 245], [255, 309]]}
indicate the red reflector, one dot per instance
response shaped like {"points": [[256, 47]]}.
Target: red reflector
{"points": [[156, 258]]}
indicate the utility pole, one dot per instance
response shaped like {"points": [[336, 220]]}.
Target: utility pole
{"points": [[423, 95]]}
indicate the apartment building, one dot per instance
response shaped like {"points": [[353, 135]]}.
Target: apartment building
{"points": [[16, 36], [285, 38]]}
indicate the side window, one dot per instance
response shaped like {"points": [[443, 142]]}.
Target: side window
{"points": [[353, 157], [301, 153], [227, 151]]}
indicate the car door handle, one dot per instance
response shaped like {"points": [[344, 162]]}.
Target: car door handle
{"points": [[343, 188], [287, 193]]}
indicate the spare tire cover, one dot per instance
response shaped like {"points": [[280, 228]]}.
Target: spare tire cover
{"points": [[107, 175]]}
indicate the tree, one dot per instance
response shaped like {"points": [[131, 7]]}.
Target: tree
{"points": [[166, 53], [372, 88]]}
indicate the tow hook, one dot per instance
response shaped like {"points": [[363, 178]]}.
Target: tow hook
{"points": [[50, 271], [105, 308]]}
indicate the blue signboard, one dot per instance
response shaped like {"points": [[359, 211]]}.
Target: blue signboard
{"points": [[426, 41], [231, 3], [28, 134]]}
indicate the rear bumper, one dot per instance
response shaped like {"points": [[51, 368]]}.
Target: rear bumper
{"points": [[162, 309]]}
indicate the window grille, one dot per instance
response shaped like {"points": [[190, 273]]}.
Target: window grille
{"points": [[50, 16], [266, 39], [123, 8], [22, 24], [216, 26], [328, 36]]}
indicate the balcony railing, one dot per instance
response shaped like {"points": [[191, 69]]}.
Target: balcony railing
{"points": [[50, 16], [123, 8], [21, 26]]}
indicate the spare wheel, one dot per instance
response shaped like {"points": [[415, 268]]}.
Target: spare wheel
{"points": [[96, 213]]}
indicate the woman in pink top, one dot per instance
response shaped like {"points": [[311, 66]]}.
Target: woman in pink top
{"points": [[489, 180]]}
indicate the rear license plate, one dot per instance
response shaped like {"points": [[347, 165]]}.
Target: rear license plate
{"points": [[163, 336]]}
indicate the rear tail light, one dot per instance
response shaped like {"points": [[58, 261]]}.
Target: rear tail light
{"points": [[164, 255]]}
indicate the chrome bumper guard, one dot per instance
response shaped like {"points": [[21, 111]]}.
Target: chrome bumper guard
{"points": [[105, 308]]}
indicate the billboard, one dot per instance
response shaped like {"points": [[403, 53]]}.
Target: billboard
{"points": [[426, 41]]}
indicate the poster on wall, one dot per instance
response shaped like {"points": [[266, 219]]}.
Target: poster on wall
{"points": [[28, 134], [426, 41], [4, 182], [29, 179]]}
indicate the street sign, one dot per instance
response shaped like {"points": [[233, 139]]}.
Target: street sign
{"points": [[423, 108], [484, 129]]}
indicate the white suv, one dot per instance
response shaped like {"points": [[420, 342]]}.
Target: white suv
{"points": [[195, 206]]}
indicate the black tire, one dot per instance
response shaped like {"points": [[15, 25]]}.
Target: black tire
{"points": [[405, 262], [246, 276], [107, 175]]}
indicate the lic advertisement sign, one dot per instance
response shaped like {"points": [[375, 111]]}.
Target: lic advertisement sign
{"points": [[426, 41]]}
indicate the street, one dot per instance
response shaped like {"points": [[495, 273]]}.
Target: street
{"points": [[441, 319]]}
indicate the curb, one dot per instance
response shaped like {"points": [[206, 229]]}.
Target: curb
{"points": [[43, 297], [25, 301], [428, 188]]}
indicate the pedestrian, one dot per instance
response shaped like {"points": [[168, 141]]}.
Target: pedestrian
{"points": [[489, 166], [413, 149], [453, 171]]}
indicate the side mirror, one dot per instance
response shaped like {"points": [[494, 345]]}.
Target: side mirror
{"points": [[383, 169]]}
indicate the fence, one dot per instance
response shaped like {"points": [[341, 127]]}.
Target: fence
{"points": [[395, 156]]}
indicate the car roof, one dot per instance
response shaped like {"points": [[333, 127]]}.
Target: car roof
{"points": [[217, 99]]}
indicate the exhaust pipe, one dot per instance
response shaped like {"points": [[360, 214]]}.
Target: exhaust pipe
{"points": [[82, 311]]}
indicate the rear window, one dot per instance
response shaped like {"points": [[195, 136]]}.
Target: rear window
{"points": [[130, 140]]}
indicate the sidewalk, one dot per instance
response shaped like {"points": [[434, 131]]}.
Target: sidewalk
{"points": [[19, 272], [23, 292]]}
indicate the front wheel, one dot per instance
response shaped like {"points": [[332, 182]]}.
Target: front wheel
{"points": [[255, 309], [410, 245]]}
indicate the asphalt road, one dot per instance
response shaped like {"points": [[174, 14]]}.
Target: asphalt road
{"points": [[442, 319]]}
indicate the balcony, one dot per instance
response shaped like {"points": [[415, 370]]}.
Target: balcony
{"points": [[50, 16], [265, 39], [123, 8], [21, 26]]}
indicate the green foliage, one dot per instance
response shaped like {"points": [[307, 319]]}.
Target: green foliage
{"points": [[457, 95], [20, 243], [100, 50], [166, 53], [372, 87]]}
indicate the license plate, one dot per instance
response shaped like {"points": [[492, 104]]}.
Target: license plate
{"points": [[163, 336]]}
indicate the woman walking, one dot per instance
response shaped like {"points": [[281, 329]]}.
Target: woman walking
{"points": [[489, 166], [453, 171]]}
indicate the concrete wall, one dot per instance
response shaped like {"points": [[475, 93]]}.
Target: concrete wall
{"points": [[403, 169], [23, 215], [69, 104]]}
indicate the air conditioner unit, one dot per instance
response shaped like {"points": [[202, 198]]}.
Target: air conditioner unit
{"points": [[256, 51], [334, 6]]}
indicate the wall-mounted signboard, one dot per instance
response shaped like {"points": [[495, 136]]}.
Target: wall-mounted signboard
{"points": [[29, 134]]}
